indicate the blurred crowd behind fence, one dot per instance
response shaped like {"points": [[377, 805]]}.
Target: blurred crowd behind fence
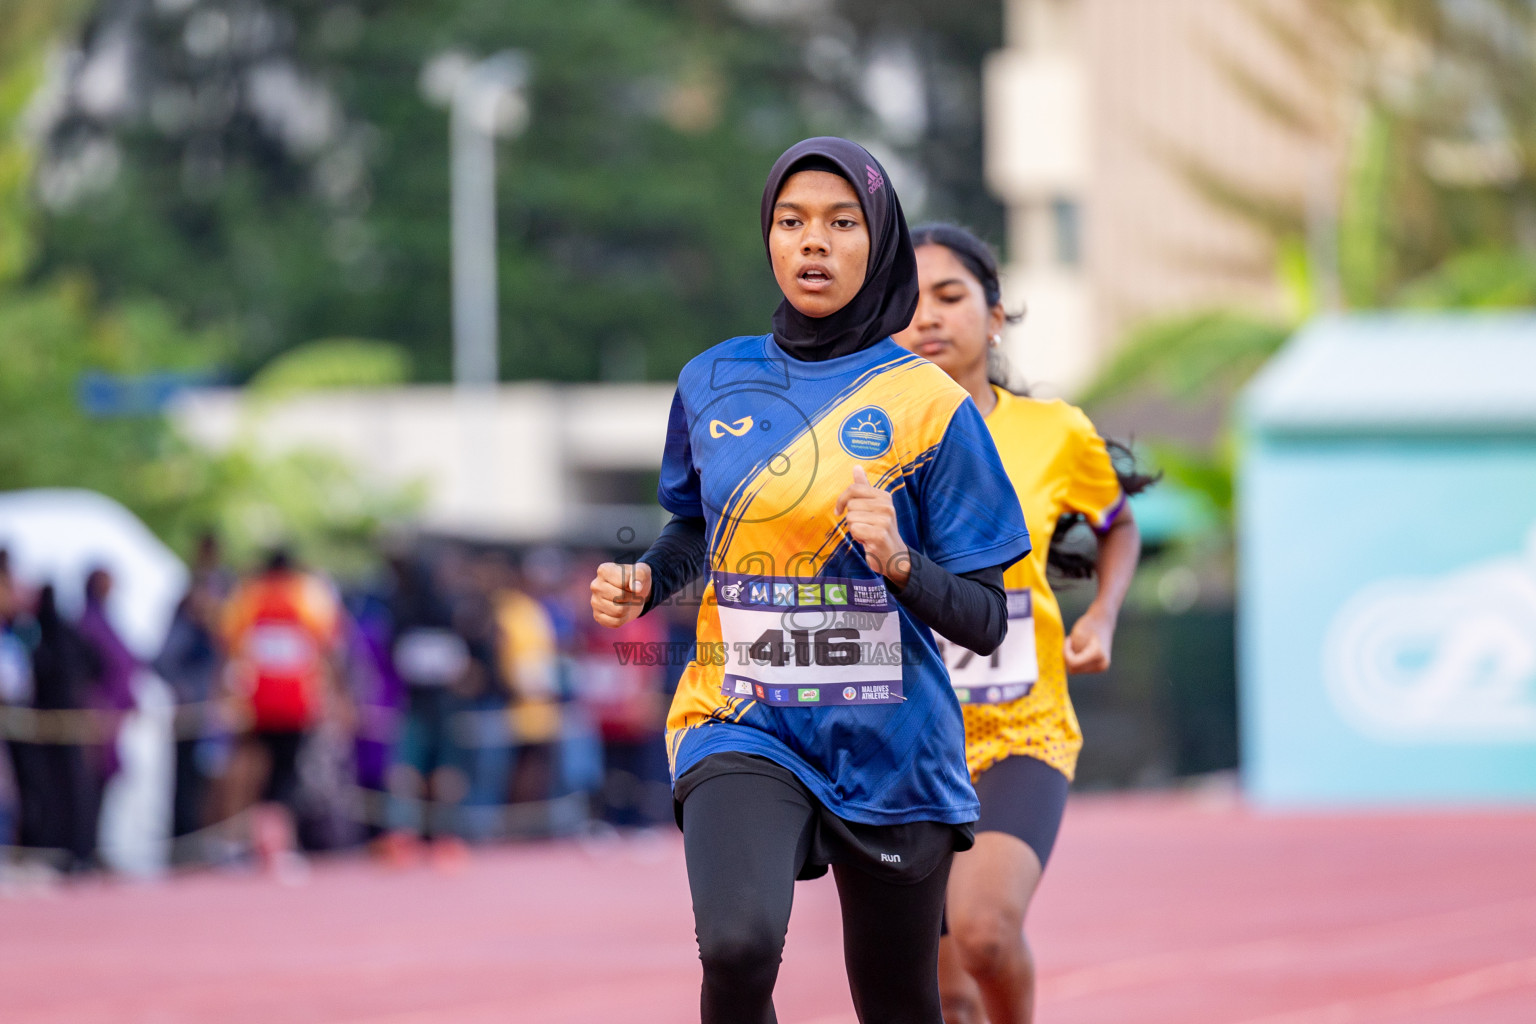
{"points": [[461, 694]]}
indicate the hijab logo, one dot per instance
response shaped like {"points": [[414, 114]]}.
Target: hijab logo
{"points": [[875, 180], [736, 429]]}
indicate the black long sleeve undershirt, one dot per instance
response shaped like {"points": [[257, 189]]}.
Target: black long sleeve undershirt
{"points": [[677, 558], [969, 609]]}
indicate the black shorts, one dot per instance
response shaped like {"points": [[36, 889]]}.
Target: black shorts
{"points": [[282, 749], [1025, 798], [902, 854]]}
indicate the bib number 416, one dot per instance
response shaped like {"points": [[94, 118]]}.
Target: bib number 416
{"points": [[804, 648]]}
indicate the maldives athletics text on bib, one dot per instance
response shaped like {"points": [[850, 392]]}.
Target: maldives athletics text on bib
{"points": [[796, 642], [1010, 672]]}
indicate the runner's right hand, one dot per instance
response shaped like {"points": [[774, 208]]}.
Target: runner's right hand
{"points": [[619, 592]]}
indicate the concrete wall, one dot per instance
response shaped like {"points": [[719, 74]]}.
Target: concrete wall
{"points": [[506, 463]]}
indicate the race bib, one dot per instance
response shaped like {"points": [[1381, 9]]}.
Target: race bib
{"points": [[1010, 672], [792, 642], [280, 647], [428, 656]]}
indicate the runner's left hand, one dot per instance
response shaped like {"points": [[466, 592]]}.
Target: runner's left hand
{"points": [[871, 517]]}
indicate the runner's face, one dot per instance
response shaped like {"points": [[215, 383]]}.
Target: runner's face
{"points": [[953, 324], [819, 242]]}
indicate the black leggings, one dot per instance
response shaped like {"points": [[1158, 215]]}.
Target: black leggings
{"points": [[746, 838]]}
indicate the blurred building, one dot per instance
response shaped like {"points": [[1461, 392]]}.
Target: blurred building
{"points": [[521, 462], [1095, 111]]}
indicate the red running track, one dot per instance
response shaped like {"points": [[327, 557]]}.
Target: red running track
{"points": [[1157, 910]]}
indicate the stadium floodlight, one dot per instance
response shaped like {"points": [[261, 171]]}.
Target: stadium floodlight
{"points": [[486, 100]]}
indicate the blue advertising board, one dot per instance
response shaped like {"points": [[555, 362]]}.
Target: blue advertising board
{"points": [[1387, 618]]}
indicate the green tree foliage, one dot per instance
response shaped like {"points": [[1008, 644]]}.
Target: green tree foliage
{"points": [[50, 335], [54, 328], [25, 30], [51, 332], [308, 501], [1187, 357], [333, 363], [278, 165], [1197, 359]]}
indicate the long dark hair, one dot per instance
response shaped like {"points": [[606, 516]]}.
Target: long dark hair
{"points": [[1067, 560]]}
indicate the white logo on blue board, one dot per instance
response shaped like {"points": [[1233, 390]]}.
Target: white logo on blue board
{"points": [[1448, 658], [866, 434], [757, 593]]}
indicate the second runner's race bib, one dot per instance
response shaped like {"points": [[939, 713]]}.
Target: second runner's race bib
{"points": [[1010, 672], [793, 642]]}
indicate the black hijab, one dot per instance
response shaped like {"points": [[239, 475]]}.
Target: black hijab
{"points": [[888, 298]]}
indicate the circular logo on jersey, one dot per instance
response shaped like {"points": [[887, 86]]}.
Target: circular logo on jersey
{"points": [[994, 695], [849, 693], [866, 434]]}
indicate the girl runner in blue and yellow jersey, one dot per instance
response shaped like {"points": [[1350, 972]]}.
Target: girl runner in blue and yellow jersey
{"points": [[1022, 737], [847, 502]]}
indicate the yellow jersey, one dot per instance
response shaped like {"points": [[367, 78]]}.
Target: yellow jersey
{"points": [[1058, 464]]}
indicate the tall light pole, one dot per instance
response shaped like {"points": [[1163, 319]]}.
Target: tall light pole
{"points": [[486, 100]]}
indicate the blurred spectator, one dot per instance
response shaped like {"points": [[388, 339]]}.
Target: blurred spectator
{"points": [[281, 629], [376, 692], [558, 749], [190, 661], [546, 577], [15, 692], [626, 698], [428, 779], [481, 728], [528, 641], [209, 570], [114, 669], [15, 656], [60, 794]]}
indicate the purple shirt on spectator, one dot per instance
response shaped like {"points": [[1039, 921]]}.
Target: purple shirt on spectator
{"points": [[116, 663]]}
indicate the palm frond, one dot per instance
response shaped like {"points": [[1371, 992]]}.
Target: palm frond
{"points": [[1273, 213], [1192, 357]]}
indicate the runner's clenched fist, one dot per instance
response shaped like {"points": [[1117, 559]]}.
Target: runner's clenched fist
{"points": [[619, 592], [871, 517]]}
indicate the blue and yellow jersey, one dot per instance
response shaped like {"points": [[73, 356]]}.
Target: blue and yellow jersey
{"points": [[1016, 701], [804, 657]]}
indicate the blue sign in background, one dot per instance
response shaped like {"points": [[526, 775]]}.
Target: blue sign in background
{"points": [[1322, 518]]}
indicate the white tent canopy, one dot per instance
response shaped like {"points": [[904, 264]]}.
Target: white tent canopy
{"points": [[57, 536]]}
